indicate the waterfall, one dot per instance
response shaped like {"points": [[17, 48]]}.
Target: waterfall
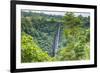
{"points": [[56, 40]]}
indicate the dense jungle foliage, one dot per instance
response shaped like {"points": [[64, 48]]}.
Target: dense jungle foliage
{"points": [[46, 37]]}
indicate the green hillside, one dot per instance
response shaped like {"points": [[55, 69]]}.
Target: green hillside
{"points": [[46, 37]]}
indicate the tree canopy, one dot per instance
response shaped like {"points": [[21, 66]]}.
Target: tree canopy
{"points": [[38, 32]]}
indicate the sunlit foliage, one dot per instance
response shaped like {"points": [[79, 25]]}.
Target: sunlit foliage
{"points": [[38, 31]]}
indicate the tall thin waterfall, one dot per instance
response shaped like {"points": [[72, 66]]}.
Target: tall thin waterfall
{"points": [[56, 40]]}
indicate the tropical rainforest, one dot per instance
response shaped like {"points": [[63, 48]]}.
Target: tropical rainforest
{"points": [[47, 37]]}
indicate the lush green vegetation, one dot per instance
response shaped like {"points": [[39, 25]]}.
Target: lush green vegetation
{"points": [[46, 37]]}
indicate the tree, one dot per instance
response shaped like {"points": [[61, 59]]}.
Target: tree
{"points": [[30, 51], [77, 39]]}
